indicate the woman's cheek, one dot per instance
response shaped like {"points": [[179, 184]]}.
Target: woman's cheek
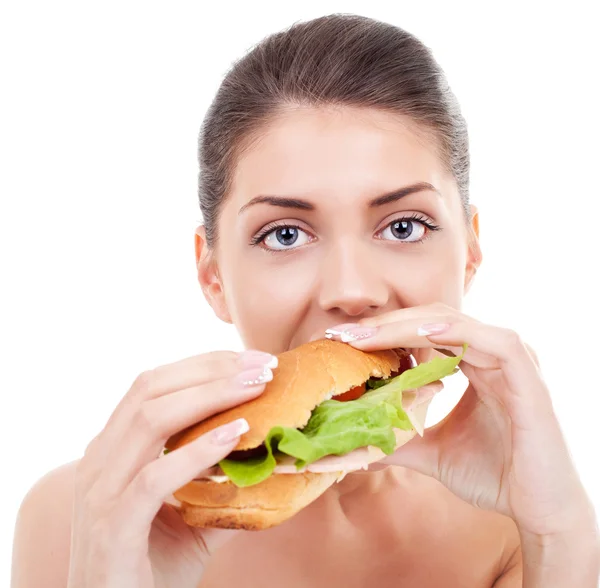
{"points": [[270, 306], [425, 275]]}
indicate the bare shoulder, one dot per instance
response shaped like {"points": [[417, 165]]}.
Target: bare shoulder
{"points": [[43, 531]]}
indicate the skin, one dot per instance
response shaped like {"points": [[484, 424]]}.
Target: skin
{"points": [[349, 272], [338, 161], [473, 503]]}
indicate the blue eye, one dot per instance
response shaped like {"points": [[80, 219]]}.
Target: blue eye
{"points": [[404, 230], [408, 230], [282, 237]]}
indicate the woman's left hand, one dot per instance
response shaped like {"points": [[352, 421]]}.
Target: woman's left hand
{"points": [[501, 448]]}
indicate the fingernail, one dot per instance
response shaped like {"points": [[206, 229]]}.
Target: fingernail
{"points": [[229, 432], [254, 359], [254, 377], [350, 332], [337, 331], [357, 333], [432, 329]]}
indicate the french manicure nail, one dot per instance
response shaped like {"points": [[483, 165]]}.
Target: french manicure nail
{"points": [[252, 358], [254, 377], [229, 432], [432, 329], [357, 334], [337, 331]]}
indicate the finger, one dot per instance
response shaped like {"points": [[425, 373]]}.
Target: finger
{"points": [[533, 355], [503, 344], [433, 310], [157, 419], [198, 370], [419, 454], [403, 314], [144, 496], [404, 333], [422, 454], [408, 334], [391, 335], [413, 398], [192, 371], [525, 390], [213, 539]]}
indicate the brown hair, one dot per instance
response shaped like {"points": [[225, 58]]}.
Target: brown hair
{"points": [[340, 59]]}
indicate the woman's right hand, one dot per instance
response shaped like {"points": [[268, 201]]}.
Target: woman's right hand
{"points": [[124, 533]]}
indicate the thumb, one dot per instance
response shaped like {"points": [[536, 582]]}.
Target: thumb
{"points": [[170, 520], [213, 539], [419, 454], [423, 454]]}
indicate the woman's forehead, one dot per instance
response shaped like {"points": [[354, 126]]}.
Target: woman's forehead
{"points": [[336, 151]]}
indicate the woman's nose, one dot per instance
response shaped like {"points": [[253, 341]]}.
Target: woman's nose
{"points": [[352, 281]]}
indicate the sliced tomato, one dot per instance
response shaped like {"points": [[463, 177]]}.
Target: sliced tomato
{"points": [[406, 363], [352, 394]]}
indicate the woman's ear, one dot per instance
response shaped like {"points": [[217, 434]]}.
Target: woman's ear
{"points": [[208, 276], [474, 255]]}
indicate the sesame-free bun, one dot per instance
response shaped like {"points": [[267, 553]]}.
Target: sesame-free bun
{"points": [[223, 505], [305, 377]]}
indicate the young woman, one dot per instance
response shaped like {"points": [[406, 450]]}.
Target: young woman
{"points": [[334, 171]]}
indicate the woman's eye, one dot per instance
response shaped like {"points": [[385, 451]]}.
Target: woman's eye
{"points": [[404, 230], [287, 237]]}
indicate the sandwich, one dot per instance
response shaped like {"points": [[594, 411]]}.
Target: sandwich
{"points": [[330, 410]]}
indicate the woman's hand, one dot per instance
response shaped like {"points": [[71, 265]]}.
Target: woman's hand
{"points": [[501, 447], [123, 533]]}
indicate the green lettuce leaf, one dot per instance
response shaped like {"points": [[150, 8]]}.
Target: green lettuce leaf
{"points": [[337, 428]]}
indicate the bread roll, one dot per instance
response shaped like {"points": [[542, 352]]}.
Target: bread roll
{"points": [[305, 377]]}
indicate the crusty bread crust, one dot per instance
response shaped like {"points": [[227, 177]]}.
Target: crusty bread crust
{"points": [[224, 505], [304, 378]]}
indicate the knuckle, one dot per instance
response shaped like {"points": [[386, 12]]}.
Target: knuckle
{"points": [[145, 421], [80, 469], [513, 340], [144, 383], [221, 355], [222, 369], [91, 501], [228, 366], [86, 469], [146, 483], [89, 450], [221, 363], [103, 533]]}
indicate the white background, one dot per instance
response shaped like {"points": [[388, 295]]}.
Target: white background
{"points": [[101, 106]]}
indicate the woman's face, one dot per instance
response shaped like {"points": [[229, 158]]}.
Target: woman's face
{"points": [[335, 215]]}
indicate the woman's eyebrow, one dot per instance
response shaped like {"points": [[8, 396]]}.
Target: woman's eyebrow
{"points": [[395, 195], [279, 201], [299, 204]]}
